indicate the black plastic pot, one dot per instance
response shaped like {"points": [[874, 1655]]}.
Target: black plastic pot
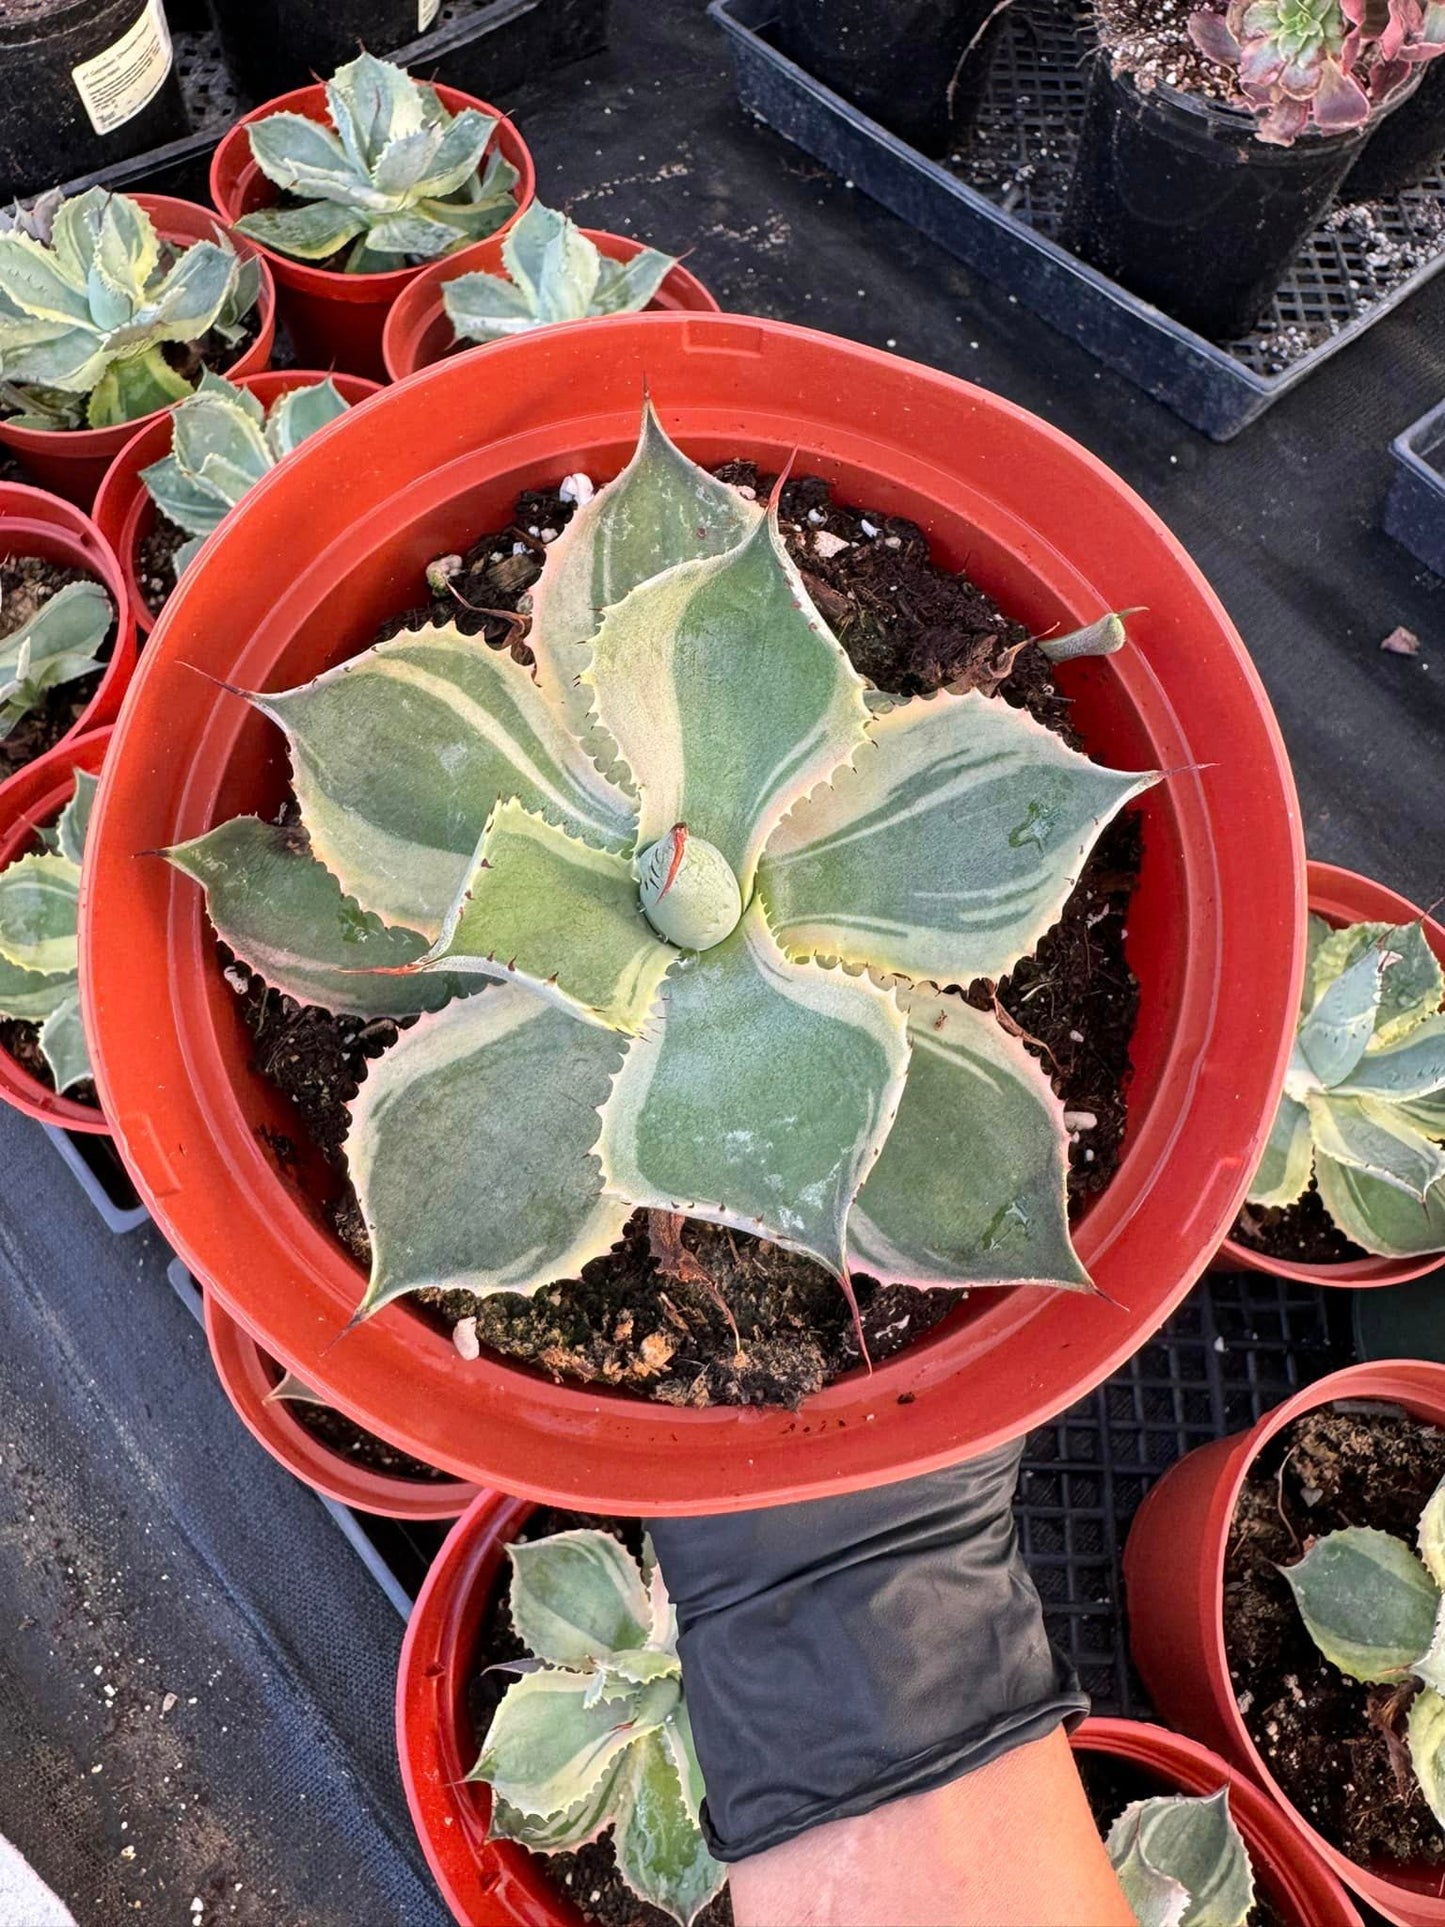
{"points": [[1407, 144], [87, 82], [918, 67], [1178, 199], [272, 46]]}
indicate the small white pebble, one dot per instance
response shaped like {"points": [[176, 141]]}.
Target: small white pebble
{"points": [[891, 342], [1076, 1037], [745, 489], [816, 517], [1219, 1345], [828, 545], [534, 533], [893, 541], [867, 527], [519, 548], [577, 488], [549, 535], [464, 1337], [127, 1853], [1079, 1120], [168, 1702], [237, 978]]}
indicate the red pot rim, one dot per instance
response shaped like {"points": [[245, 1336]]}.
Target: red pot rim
{"points": [[1419, 1387], [246, 1374], [407, 341], [1220, 903], [31, 798], [234, 177], [175, 220], [1344, 896], [124, 512]]}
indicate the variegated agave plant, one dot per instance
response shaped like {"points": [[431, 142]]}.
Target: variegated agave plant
{"points": [[1182, 1862], [715, 882], [554, 273], [595, 1733], [60, 643], [39, 948]]}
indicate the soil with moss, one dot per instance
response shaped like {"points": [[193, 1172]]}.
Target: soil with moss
{"points": [[1303, 1232], [27, 583]]}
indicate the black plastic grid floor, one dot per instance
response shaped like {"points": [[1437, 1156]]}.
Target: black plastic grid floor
{"points": [[1021, 151]]}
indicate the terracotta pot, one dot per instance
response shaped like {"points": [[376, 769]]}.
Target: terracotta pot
{"points": [[418, 332], [1174, 1580], [335, 320], [1302, 1888], [72, 461], [334, 544], [124, 511], [31, 800], [1341, 896], [249, 1376]]}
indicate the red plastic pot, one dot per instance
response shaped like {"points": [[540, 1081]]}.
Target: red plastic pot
{"points": [[336, 319], [334, 543], [249, 1377], [72, 461], [1342, 896], [417, 331], [124, 512], [1174, 1579], [33, 798], [1303, 1890]]}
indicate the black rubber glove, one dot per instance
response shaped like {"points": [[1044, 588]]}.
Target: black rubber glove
{"points": [[843, 1652]]}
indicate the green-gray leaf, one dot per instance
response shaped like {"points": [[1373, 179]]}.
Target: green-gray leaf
{"points": [[1410, 1066], [62, 1041], [31, 995], [1374, 1139], [1193, 1843], [577, 1598], [1332, 1038], [74, 824], [1379, 1217], [1284, 1170], [661, 1853], [39, 898], [547, 1750], [1367, 1602], [1426, 1734], [1413, 984], [1432, 1535], [556, 1833]]}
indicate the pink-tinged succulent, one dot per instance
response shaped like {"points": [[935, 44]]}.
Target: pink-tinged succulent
{"points": [[1326, 64]]}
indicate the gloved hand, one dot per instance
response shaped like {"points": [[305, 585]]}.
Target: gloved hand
{"points": [[840, 1653]]}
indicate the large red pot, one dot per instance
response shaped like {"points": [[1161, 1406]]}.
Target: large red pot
{"points": [[31, 800], [335, 320], [1174, 1580], [1342, 896], [72, 461], [34, 522], [124, 511], [249, 1377], [334, 543], [417, 331]]}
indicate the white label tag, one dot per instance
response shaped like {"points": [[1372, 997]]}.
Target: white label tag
{"points": [[115, 84], [426, 12]]}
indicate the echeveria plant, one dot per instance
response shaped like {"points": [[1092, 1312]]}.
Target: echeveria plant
{"points": [[1182, 1863], [554, 273], [89, 295], [714, 884], [222, 443], [595, 1732], [1376, 1609], [395, 174], [39, 951], [1363, 1108], [61, 642]]}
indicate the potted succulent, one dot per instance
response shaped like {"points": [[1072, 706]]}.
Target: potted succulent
{"points": [[1206, 158], [392, 499], [351, 187], [113, 305], [45, 1068], [1260, 1572], [175, 481], [550, 271], [319, 1444], [78, 660], [1334, 1201]]}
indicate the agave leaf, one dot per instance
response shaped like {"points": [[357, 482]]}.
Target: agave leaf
{"points": [[285, 916], [1426, 1736], [1427, 1114], [528, 250], [127, 251], [39, 896], [53, 364], [1432, 1535], [547, 1750], [661, 1853], [75, 231], [577, 1598], [134, 386], [487, 307], [400, 754], [1289, 1155], [74, 622], [1193, 1842], [193, 502], [969, 1188], [1412, 986], [644, 1665], [1410, 1066], [420, 233], [762, 1098], [1372, 1137], [1156, 1899], [62, 1042], [456, 155], [33, 277], [74, 824], [230, 321], [1430, 1667], [210, 428], [189, 298], [404, 161], [1332, 1038], [308, 160], [311, 233], [727, 696], [947, 849], [1380, 1217], [543, 906], [300, 413], [627, 287], [1367, 1602], [556, 1833], [470, 1149], [29, 994], [372, 102]]}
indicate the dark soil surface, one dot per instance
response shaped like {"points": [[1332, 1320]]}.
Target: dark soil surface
{"points": [[1335, 1746], [349, 1441], [1150, 40], [156, 561], [588, 1877], [701, 1315], [213, 351], [1304, 1232], [27, 582]]}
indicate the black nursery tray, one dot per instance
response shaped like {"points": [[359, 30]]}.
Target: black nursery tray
{"points": [[1415, 505], [1001, 208]]}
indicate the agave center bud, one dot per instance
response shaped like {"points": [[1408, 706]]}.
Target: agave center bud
{"points": [[689, 893]]}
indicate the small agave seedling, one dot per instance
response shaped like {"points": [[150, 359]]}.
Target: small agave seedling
{"points": [[554, 273], [715, 890], [89, 295], [595, 1733], [1182, 1863], [1376, 1610], [1363, 1108], [61, 641], [39, 952], [222, 443], [395, 174]]}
